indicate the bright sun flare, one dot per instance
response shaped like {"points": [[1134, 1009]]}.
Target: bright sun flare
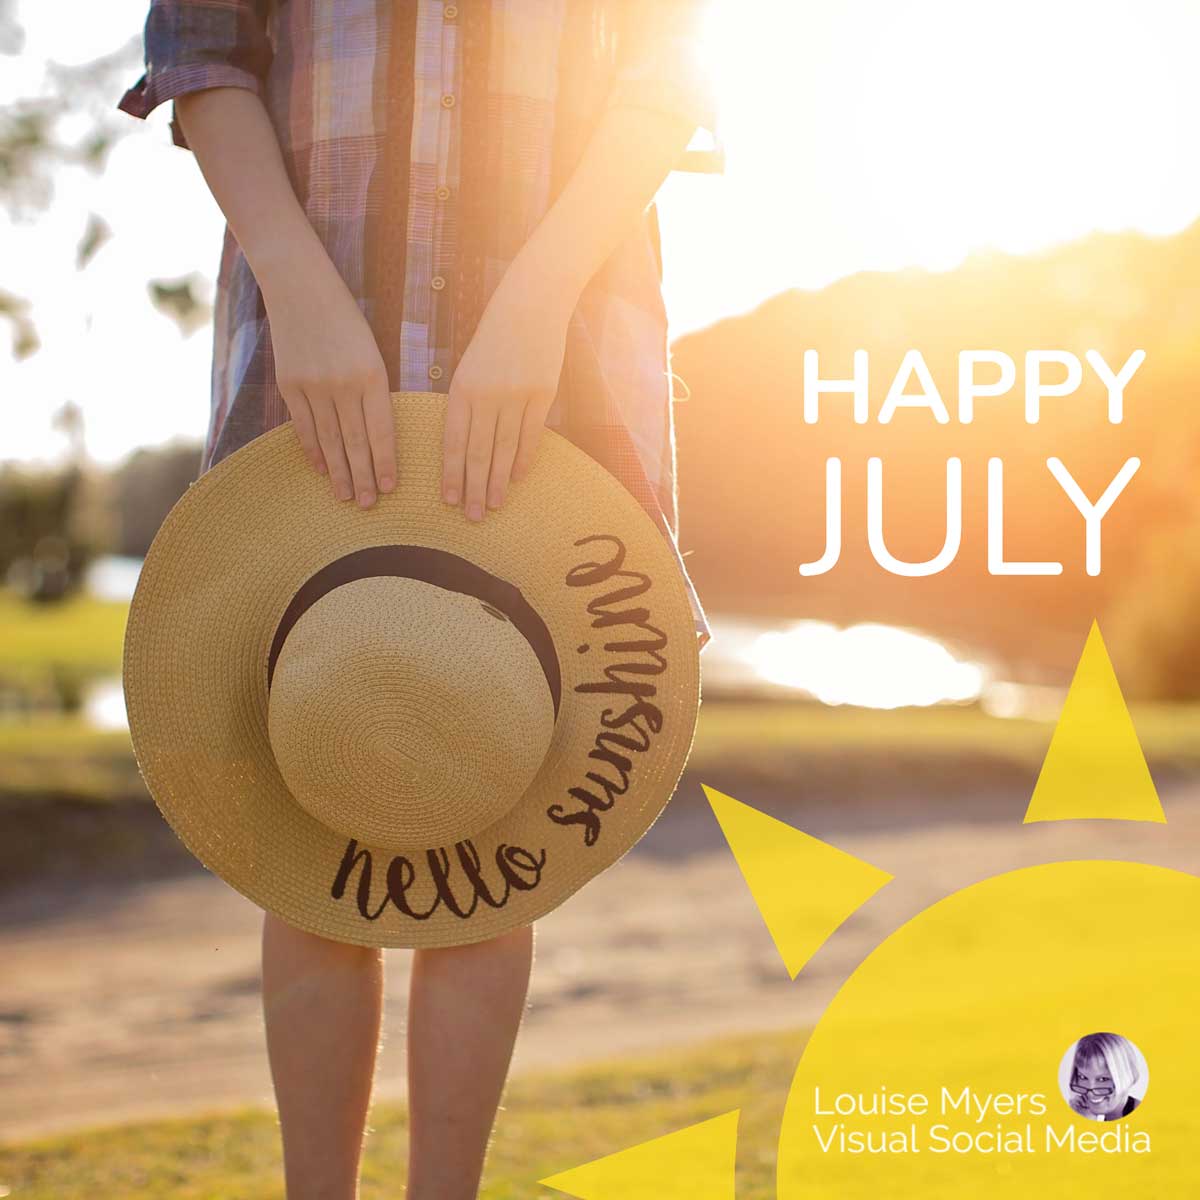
{"points": [[870, 135], [861, 135]]}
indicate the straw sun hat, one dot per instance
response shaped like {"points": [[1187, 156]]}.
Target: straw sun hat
{"points": [[395, 726]]}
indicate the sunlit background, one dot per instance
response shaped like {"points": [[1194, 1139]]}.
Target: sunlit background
{"points": [[861, 136], [876, 134], [900, 173]]}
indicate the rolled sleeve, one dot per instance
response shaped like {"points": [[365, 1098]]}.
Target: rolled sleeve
{"points": [[191, 45], [660, 63]]}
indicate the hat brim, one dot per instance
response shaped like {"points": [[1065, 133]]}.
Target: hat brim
{"points": [[223, 568]]}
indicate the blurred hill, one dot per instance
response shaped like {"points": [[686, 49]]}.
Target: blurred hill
{"points": [[752, 473]]}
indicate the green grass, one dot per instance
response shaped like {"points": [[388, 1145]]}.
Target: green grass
{"points": [[550, 1123], [83, 635], [732, 732], [62, 758]]}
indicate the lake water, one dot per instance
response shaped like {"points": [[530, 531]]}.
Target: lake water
{"points": [[869, 665], [112, 577]]}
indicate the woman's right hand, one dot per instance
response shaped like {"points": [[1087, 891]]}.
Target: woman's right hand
{"points": [[329, 369], [333, 380]]}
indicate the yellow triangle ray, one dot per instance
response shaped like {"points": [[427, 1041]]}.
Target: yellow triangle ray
{"points": [[1095, 768], [696, 1163], [804, 887]]}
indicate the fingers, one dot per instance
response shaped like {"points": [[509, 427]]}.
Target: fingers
{"points": [[329, 435], [349, 405], [480, 441], [306, 429], [454, 447], [486, 446], [532, 424], [504, 450], [381, 431], [351, 436]]}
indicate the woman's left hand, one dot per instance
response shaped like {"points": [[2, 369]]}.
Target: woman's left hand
{"points": [[502, 390]]}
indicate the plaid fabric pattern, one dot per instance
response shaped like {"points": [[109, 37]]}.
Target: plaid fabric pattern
{"points": [[425, 141]]}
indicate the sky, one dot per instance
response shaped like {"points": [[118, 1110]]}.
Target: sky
{"points": [[861, 135]]}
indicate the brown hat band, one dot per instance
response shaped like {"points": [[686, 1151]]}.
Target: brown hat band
{"points": [[427, 565]]}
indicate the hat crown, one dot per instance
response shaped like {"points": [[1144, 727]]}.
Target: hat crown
{"points": [[406, 715]]}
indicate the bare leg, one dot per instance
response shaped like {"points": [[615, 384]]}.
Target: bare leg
{"points": [[465, 1007], [322, 1006]]}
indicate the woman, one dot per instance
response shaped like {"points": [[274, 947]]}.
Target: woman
{"points": [[441, 197], [1103, 1072]]}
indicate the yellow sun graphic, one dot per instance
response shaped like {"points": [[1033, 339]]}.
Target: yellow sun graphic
{"points": [[937, 1070]]}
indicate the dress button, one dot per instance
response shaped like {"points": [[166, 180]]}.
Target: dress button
{"points": [[437, 283], [450, 12], [443, 193], [435, 372], [447, 101]]}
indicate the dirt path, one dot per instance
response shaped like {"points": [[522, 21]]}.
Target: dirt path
{"points": [[144, 1000]]}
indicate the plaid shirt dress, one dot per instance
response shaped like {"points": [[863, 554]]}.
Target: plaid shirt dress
{"points": [[425, 141]]}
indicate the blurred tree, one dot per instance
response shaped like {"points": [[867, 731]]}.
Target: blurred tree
{"points": [[32, 145], [145, 486], [94, 236], [181, 300], [52, 524], [68, 420], [25, 338], [1152, 630], [31, 142]]}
